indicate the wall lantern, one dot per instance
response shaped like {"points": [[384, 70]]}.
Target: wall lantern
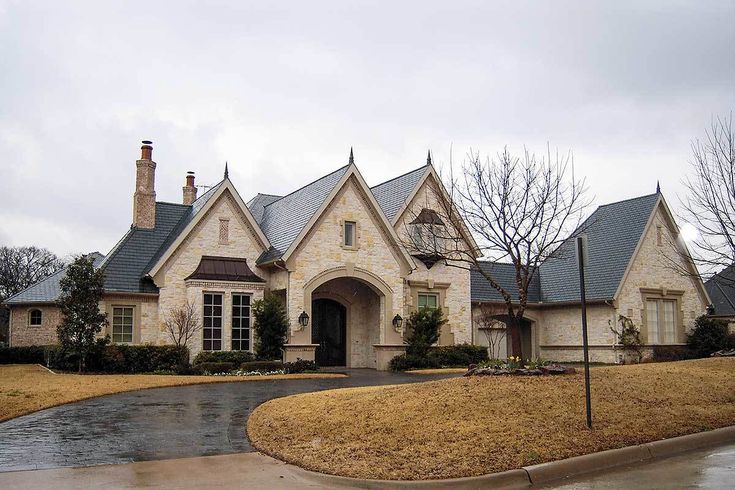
{"points": [[397, 322], [303, 319]]}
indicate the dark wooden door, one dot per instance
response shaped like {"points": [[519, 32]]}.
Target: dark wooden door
{"points": [[329, 331]]}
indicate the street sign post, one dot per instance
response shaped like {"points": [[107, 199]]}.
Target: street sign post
{"points": [[581, 255]]}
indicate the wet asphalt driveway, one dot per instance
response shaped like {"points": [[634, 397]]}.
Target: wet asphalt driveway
{"points": [[160, 423]]}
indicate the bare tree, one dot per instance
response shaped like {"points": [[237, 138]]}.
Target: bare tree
{"points": [[710, 200], [494, 329], [182, 323], [520, 209], [21, 267]]}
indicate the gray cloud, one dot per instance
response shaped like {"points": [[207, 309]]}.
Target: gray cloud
{"points": [[282, 92]]}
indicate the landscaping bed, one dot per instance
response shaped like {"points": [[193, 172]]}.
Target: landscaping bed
{"points": [[484, 424], [26, 388]]}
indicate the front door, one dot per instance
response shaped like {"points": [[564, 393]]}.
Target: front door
{"points": [[329, 331]]}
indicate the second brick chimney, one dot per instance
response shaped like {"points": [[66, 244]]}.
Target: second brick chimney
{"points": [[144, 198], [190, 191]]}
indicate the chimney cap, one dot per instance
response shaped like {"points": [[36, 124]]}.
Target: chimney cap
{"points": [[190, 172], [147, 142]]}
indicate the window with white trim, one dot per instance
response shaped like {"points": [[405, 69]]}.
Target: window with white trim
{"points": [[212, 322], [35, 318], [661, 321], [240, 322], [122, 324], [428, 300]]}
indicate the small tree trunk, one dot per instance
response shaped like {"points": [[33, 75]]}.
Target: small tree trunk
{"points": [[515, 337]]}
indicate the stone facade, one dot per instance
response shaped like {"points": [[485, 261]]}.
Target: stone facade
{"points": [[22, 333]]}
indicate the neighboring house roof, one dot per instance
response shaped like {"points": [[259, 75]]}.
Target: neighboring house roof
{"points": [[47, 290], [284, 219], [224, 269], [392, 195], [613, 232], [505, 275], [721, 290]]}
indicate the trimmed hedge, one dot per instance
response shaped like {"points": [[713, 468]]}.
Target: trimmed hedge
{"points": [[122, 359], [261, 366], [215, 367], [404, 362], [236, 357], [461, 355], [666, 353], [33, 354], [300, 366]]}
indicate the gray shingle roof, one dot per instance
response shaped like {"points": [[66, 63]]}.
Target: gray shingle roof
{"points": [[283, 219], [392, 194], [47, 290], [257, 205], [721, 290], [613, 232], [505, 275]]}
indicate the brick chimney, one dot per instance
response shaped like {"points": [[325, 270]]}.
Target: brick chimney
{"points": [[144, 199], [190, 192]]}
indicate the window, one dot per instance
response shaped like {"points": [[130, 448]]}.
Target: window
{"points": [[349, 233], [661, 321], [122, 324], [35, 318], [428, 300], [212, 322], [240, 322]]}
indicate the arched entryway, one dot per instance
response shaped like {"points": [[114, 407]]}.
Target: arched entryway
{"points": [[329, 332]]}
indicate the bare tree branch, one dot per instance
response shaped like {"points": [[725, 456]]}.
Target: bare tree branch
{"points": [[182, 323]]}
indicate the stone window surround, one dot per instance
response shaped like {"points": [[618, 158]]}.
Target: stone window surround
{"points": [[356, 232], [30, 318], [446, 336], [663, 294], [136, 318]]}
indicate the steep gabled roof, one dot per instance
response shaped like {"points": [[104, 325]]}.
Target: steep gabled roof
{"points": [[613, 232], [505, 275], [392, 195], [721, 290], [284, 219], [257, 205], [47, 290]]}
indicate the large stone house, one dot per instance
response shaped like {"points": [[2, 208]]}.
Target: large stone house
{"points": [[335, 251], [331, 250], [635, 259]]}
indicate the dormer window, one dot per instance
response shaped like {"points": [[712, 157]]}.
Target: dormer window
{"points": [[349, 234]]}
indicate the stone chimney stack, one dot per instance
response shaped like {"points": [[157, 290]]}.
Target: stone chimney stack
{"points": [[190, 192], [144, 199]]}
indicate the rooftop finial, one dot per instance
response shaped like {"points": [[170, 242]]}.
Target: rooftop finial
{"points": [[227, 174], [658, 187], [352, 157], [428, 158]]}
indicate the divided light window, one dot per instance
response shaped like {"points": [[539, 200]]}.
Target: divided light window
{"points": [[122, 324], [36, 318], [428, 300], [212, 322], [661, 321], [350, 227], [240, 322]]}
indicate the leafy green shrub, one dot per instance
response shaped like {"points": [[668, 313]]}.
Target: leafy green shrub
{"points": [[216, 367], [236, 357], [709, 335], [300, 366], [32, 354], [461, 355], [261, 366], [404, 362], [422, 330], [271, 327], [665, 353]]}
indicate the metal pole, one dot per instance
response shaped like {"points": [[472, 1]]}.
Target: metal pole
{"points": [[585, 343]]}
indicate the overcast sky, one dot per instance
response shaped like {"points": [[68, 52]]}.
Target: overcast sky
{"points": [[282, 92]]}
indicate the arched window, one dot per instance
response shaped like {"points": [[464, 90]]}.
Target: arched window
{"points": [[35, 318]]}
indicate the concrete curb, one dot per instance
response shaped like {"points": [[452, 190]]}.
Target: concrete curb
{"points": [[547, 472]]}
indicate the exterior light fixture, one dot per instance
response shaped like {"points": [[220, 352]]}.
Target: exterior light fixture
{"points": [[397, 322], [303, 319]]}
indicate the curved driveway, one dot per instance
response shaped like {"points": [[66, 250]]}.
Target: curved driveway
{"points": [[160, 423]]}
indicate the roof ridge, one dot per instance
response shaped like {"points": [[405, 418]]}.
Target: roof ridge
{"points": [[173, 203], [626, 200], [402, 175], [305, 186]]}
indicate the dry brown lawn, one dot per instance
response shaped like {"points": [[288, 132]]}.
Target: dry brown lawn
{"points": [[472, 426], [26, 388]]}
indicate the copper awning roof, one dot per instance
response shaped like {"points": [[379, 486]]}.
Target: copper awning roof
{"points": [[224, 269]]}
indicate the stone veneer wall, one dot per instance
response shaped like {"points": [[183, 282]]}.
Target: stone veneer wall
{"points": [[22, 334], [560, 334], [205, 240], [322, 250]]}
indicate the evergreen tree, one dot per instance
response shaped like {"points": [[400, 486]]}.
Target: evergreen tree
{"points": [[81, 292], [271, 327], [422, 329]]}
